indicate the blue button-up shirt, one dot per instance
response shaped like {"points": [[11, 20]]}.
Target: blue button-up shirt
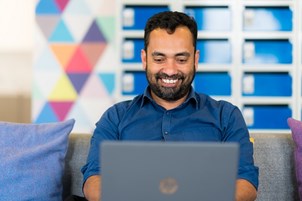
{"points": [[199, 118]]}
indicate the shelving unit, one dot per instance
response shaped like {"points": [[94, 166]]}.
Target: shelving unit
{"points": [[252, 47]]}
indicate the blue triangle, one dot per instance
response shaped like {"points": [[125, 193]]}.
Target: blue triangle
{"points": [[61, 33], [47, 7], [108, 79], [47, 115]]}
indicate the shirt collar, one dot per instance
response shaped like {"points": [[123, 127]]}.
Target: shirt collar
{"points": [[192, 98]]}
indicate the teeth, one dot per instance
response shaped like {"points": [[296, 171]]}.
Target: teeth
{"points": [[169, 81]]}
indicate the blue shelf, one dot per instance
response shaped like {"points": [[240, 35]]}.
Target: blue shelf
{"points": [[267, 84], [138, 15], [268, 19], [214, 51], [209, 18], [135, 84], [267, 52], [269, 116], [133, 50], [213, 83]]}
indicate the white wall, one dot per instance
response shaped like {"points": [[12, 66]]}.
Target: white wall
{"points": [[16, 45]]}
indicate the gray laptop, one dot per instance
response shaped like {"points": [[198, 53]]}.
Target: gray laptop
{"points": [[178, 171]]}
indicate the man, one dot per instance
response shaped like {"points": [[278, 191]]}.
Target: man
{"points": [[170, 109]]}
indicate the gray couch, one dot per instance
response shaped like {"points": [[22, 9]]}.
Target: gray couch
{"points": [[273, 155]]}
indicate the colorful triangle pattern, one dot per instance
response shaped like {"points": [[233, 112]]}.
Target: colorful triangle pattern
{"points": [[46, 7], [61, 108], [61, 4], [67, 83], [61, 33]]}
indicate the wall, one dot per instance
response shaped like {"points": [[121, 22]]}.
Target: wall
{"points": [[16, 43]]}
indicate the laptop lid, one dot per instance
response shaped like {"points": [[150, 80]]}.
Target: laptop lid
{"points": [[178, 171]]}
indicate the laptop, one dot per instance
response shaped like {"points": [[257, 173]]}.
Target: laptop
{"points": [[168, 171]]}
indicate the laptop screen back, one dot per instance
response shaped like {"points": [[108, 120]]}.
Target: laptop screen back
{"points": [[178, 171]]}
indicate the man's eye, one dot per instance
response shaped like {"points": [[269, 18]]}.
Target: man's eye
{"points": [[181, 60], [158, 59]]}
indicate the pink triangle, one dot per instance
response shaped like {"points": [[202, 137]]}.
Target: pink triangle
{"points": [[93, 51], [78, 63], [61, 4], [61, 108]]}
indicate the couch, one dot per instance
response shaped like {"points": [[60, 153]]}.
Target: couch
{"points": [[273, 155]]}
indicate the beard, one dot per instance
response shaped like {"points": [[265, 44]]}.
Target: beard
{"points": [[170, 93]]}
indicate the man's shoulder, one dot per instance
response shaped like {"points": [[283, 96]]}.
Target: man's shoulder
{"points": [[209, 101], [126, 104]]}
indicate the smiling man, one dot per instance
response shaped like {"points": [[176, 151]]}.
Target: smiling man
{"points": [[170, 109], [170, 61]]}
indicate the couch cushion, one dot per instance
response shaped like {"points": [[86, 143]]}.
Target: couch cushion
{"points": [[75, 159], [296, 128], [273, 155], [32, 160]]}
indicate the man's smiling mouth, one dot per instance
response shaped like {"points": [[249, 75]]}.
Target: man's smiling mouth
{"points": [[169, 81]]}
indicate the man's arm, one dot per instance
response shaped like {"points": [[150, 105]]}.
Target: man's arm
{"points": [[92, 188], [245, 191]]}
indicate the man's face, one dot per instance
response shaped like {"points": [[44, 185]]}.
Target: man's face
{"points": [[170, 63]]}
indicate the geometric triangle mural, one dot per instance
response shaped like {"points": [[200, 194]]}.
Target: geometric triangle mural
{"points": [[69, 81]]}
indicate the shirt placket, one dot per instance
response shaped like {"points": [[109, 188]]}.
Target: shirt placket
{"points": [[166, 125]]}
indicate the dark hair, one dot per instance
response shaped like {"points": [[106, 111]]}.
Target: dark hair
{"points": [[170, 20]]}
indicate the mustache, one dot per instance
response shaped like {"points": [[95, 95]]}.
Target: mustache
{"points": [[172, 77]]}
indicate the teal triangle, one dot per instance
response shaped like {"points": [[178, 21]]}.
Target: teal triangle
{"points": [[78, 7], [61, 33], [47, 7], [106, 24], [108, 80], [47, 115]]}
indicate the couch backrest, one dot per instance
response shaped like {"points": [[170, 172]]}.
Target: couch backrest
{"points": [[273, 155], [75, 159]]}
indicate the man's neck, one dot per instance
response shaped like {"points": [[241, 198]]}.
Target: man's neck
{"points": [[168, 105]]}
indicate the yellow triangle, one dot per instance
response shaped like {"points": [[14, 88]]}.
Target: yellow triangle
{"points": [[63, 91], [63, 52]]}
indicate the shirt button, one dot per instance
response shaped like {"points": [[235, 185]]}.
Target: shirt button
{"points": [[166, 133]]}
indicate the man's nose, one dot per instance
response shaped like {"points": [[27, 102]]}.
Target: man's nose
{"points": [[170, 67]]}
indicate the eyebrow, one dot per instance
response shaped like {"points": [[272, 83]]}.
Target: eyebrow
{"points": [[187, 54], [154, 54]]}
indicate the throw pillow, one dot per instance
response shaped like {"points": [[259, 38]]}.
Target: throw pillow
{"points": [[296, 129], [32, 160]]}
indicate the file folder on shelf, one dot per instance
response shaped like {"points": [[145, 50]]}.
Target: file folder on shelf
{"points": [[133, 82], [216, 51], [213, 83], [267, 84], [135, 17], [209, 18], [131, 50], [267, 19], [267, 52], [267, 116]]}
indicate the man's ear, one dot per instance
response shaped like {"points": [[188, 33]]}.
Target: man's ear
{"points": [[144, 58], [196, 59]]}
